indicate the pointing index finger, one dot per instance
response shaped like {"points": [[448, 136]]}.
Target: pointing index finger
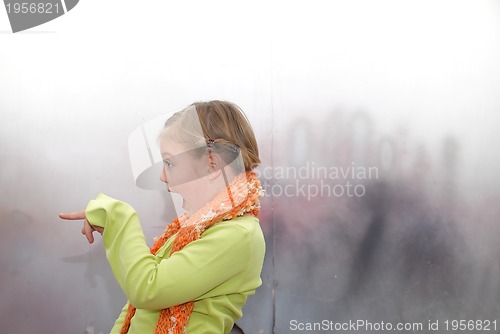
{"points": [[77, 215]]}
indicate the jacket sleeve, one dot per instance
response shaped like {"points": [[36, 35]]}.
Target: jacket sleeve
{"points": [[119, 321], [223, 252]]}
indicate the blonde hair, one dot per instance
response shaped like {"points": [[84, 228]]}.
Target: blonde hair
{"points": [[219, 125]]}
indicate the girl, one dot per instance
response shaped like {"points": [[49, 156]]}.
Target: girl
{"points": [[197, 276]]}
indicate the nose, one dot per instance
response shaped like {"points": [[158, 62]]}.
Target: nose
{"points": [[163, 176]]}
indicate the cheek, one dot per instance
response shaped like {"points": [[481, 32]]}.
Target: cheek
{"points": [[188, 179], [198, 170]]}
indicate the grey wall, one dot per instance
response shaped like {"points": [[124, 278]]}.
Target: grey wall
{"points": [[406, 90]]}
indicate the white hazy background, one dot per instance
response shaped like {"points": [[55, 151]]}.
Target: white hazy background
{"points": [[73, 89]]}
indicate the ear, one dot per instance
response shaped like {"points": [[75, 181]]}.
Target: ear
{"points": [[215, 165]]}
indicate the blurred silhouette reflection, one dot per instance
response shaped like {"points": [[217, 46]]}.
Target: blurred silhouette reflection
{"points": [[400, 253]]}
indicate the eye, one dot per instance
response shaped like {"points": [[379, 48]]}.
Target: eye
{"points": [[167, 163]]}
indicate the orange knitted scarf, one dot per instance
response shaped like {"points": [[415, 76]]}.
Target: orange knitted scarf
{"points": [[239, 197]]}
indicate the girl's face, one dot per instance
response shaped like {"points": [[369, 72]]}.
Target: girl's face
{"points": [[185, 174]]}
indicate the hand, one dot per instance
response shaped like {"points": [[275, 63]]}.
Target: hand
{"points": [[87, 228]]}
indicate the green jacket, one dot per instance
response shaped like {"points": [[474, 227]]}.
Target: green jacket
{"points": [[218, 271]]}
